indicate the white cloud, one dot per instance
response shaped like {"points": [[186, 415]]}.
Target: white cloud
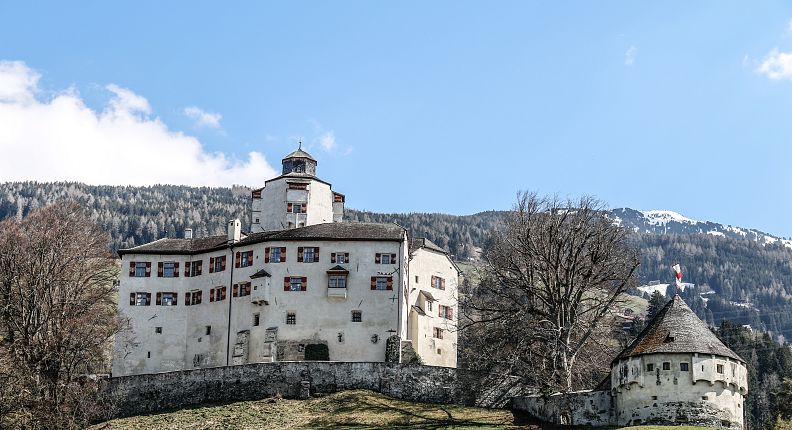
{"points": [[328, 141], [61, 139], [629, 56], [776, 65], [203, 118]]}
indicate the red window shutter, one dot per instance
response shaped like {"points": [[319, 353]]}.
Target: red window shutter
{"points": [[283, 254], [199, 270], [159, 299], [332, 257], [266, 255], [235, 290], [212, 294], [131, 269], [300, 254], [247, 288], [433, 284], [377, 258], [211, 264], [160, 269], [346, 257], [316, 252], [288, 207], [303, 207], [393, 258], [187, 269], [286, 283], [148, 269], [303, 283], [187, 299], [442, 284], [223, 293], [175, 270], [175, 298], [373, 282], [237, 259], [450, 313], [222, 263], [250, 257], [390, 282], [131, 299], [148, 299]]}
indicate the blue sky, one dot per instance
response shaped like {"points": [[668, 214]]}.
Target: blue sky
{"points": [[413, 106]]}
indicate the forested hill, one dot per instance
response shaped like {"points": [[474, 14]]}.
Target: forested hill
{"points": [[749, 271]]}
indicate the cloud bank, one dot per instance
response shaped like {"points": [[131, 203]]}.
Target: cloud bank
{"points": [[777, 65], [61, 139]]}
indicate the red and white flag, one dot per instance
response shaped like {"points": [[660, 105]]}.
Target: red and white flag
{"points": [[678, 272]]}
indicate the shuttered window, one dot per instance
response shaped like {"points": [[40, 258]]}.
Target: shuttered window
{"points": [[275, 254], [438, 282], [217, 264], [382, 283], [217, 294], [241, 289], [193, 268], [139, 269], [295, 283], [380, 258], [437, 333], [446, 312], [167, 299], [308, 254], [139, 299]]}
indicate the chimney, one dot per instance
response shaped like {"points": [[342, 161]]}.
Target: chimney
{"points": [[188, 233], [234, 231]]}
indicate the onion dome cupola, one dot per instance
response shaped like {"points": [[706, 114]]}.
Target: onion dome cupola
{"points": [[299, 161]]}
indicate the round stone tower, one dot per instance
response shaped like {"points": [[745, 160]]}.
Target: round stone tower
{"points": [[678, 372]]}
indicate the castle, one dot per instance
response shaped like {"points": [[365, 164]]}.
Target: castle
{"points": [[675, 372], [299, 285]]}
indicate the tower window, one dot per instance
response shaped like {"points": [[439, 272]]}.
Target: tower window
{"points": [[719, 368], [291, 318], [683, 367], [667, 365], [357, 316], [208, 330], [158, 330], [650, 367], [256, 319], [437, 333]]}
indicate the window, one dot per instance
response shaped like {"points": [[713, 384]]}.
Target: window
{"points": [[208, 330], [384, 258], [666, 365], [339, 257], [382, 282], [193, 268], [416, 279], [683, 367], [429, 306], [192, 298], [295, 283], [446, 312], [719, 368], [241, 290], [357, 316], [437, 333], [291, 318], [438, 282], [149, 355], [168, 269], [337, 281], [256, 320], [139, 299], [650, 367], [297, 186], [217, 294], [257, 221], [296, 208], [439, 351], [140, 269], [167, 299], [217, 264], [244, 259], [158, 330], [275, 254], [308, 254]]}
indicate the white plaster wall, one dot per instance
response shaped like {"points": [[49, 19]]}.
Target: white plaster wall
{"points": [[639, 396], [270, 209], [319, 317], [424, 264]]}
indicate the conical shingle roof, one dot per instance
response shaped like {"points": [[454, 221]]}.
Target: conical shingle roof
{"points": [[299, 154], [675, 329]]}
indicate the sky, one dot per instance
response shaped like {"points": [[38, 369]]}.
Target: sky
{"points": [[443, 106]]}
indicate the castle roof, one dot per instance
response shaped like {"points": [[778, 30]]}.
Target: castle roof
{"points": [[327, 231], [299, 153], [423, 242], [676, 328]]}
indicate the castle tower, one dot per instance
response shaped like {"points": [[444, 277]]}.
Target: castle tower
{"points": [[677, 371], [296, 198]]}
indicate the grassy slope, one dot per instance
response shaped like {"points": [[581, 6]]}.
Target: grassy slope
{"points": [[350, 409]]}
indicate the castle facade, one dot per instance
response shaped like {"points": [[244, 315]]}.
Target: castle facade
{"points": [[301, 284]]}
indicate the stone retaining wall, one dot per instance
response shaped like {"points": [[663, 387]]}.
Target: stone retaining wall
{"points": [[142, 394], [582, 408]]}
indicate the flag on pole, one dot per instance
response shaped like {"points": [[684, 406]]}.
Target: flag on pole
{"points": [[678, 272]]}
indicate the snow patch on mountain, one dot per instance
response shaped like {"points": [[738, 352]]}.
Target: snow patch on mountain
{"points": [[661, 217]]}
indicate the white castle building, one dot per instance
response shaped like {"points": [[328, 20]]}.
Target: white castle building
{"points": [[301, 284]]}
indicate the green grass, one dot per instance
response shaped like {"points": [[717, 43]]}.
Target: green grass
{"points": [[358, 409]]}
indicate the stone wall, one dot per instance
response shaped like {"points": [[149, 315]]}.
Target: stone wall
{"points": [[141, 394], [582, 408]]}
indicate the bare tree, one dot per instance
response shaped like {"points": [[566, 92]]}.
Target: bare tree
{"points": [[554, 273], [57, 315]]}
